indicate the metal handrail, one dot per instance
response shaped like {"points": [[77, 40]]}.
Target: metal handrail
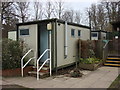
{"points": [[23, 66], [26, 54], [105, 45], [38, 69], [104, 56], [28, 61], [43, 64], [42, 54]]}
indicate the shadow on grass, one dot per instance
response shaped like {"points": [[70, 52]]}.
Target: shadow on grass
{"points": [[115, 84], [14, 87]]}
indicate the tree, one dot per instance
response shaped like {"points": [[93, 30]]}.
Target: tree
{"points": [[68, 15], [112, 13], [22, 10], [100, 17], [78, 16], [102, 14], [49, 9], [8, 18], [88, 16], [59, 8], [112, 10], [38, 10], [93, 19], [6, 10]]}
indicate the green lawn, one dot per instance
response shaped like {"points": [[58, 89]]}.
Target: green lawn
{"points": [[116, 83], [14, 87]]}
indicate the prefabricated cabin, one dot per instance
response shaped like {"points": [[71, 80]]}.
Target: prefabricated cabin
{"points": [[64, 38], [12, 35], [98, 35]]}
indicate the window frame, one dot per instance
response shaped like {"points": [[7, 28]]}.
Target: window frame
{"points": [[72, 32], [94, 33], [28, 32], [79, 34]]}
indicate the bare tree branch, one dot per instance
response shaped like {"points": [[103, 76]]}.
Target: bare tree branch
{"points": [[22, 10], [38, 10], [49, 9], [68, 15], [78, 17], [59, 8]]}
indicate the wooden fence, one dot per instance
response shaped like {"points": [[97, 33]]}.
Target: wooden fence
{"points": [[85, 46]]}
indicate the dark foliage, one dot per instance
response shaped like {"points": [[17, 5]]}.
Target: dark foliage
{"points": [[11, 54]]}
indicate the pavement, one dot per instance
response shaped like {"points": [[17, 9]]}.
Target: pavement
{"points": [[100, 78]]}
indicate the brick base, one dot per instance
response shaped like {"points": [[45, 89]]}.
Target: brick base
{"points": [[15, 72]]}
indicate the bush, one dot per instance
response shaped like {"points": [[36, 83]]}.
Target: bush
{"points": [[11, 54], [76, 73], [90, 60], [87, 48]]}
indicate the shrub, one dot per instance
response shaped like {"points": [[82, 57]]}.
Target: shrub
{"points": [[84, 49], [76, 73], [90, 60], [11, 54], [87, 48]]}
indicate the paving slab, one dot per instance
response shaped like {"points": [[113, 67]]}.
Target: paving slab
{"points": [[100, 78]]}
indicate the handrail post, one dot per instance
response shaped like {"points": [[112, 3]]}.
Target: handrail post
{"points": [[37, 70], [22, 61], [104, 48], [22, 67], [50, 54], [38, 62], [35, 55]]}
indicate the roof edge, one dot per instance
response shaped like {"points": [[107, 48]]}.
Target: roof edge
{"points": [[50, 20]]}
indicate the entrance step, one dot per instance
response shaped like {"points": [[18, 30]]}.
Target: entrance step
{"points": [[41, 74], [44, 69], [44, 72], [116, 65], [112, 61], [112, 55], [113, 58]]}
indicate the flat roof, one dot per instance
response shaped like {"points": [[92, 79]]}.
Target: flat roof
{"points": [[115, 23], [99, 31], [51, 20]]}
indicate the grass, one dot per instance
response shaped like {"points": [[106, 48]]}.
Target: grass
{"points": [[115, 83], [15, 87]]}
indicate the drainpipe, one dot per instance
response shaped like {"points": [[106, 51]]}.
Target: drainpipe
{"points": [[56, 46], [66, 44]]}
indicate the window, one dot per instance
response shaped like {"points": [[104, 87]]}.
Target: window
{"points": [[79, 32], [24, 32], [72, 32], [94, 34]]}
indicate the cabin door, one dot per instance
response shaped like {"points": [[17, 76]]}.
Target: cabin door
{"points": [[43, 42]]}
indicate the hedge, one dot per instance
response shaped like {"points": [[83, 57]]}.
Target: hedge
{"points": [[12, 52]]}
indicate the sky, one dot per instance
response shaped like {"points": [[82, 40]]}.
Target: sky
{"points": [[75, 4], [80, 5]]}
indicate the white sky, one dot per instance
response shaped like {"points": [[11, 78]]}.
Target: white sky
{"points": [[69, 4], [76, 5], [81, 5]]}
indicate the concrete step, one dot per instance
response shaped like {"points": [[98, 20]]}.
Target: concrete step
{"points": [[34, 72], [44, 69], [113, 58], [112, 61], [108, 64], [41, 74], [114, 55]]}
